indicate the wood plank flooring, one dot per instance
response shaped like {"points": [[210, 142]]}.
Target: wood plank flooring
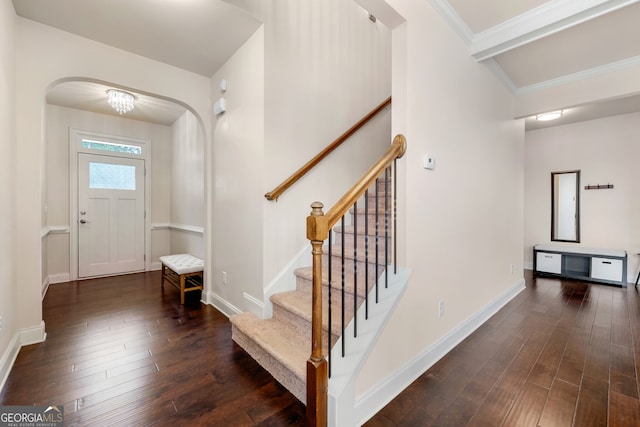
{"points": [[562, 353], [122, 351]]}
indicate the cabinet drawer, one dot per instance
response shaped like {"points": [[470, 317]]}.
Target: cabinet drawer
{"points": [[549, 263], [606, 269]]}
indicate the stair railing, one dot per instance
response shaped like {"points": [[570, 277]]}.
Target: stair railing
{"points": [[277, 192], [318, 226]]}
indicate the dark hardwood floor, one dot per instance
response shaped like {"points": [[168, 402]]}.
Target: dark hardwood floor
{"points": [[562, 353], [120, 351]]}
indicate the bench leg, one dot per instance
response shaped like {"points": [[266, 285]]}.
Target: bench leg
{"points": [[162, 278], [182, 289]]}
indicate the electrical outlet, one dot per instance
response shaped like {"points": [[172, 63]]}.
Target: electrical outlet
{"points": [[224, 277], [0, 326], [441, 309], [511, 269]]}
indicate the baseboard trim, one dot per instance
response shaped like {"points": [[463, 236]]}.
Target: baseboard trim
{"points": [[222, 305], [255, 305], [33, 335], [45, 286], [59, 278], [8, 359], [374, 400], [24, 337]]}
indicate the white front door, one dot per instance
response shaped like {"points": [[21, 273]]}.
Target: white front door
{"points": [[111, 215]]}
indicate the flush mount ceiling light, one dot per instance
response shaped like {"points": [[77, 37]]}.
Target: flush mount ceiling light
{"points": [[552, 115], [121, 101]]}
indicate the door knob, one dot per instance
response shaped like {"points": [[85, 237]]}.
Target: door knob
{"points": [[83, 221]]}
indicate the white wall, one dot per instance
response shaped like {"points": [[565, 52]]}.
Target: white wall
{"points": [[8, 297], [187, 187], [238, 165], [464, 220], [58, 122], [45, 56], [326, 66], [605, 151], [313, 70]]}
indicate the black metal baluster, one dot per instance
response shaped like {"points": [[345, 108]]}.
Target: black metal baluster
{"points": [[395, 217], [342, 305], [366, 254], [377, 240], [329, 298], [386, 227], [355, 270]]}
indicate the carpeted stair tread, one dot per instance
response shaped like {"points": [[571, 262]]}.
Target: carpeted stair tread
{"points": [[277, 346], [298, 303], [306, 274], [348, 229], [336, 251]]}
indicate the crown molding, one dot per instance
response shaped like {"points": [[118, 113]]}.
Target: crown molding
{"points": [[547, 19], [502, 76], [580, 75], [451, 16]]}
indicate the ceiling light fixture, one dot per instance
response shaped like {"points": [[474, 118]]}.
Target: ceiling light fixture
{"points": [[121, 101], [552, 115]]}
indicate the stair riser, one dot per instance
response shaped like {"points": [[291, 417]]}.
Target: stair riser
{"points": [[303, 325], [362, 241], [286, 377], [371, 218], [305, 284], [381, 183], [381, 203]]}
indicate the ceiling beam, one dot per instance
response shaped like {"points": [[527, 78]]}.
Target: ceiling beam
{"points": [[547, 19]]}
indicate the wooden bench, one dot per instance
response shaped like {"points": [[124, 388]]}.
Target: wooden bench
{"points": [[183, 271]]}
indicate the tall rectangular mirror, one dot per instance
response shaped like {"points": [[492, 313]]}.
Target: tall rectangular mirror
{"points": [[565, 206]]}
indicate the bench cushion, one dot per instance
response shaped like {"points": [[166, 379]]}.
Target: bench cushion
{"points": [[183, 263]]}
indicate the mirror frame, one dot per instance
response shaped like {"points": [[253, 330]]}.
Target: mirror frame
{"points": [[554, 221]]}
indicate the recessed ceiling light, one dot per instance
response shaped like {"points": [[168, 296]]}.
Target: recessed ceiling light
{"points": [[552, 115]]}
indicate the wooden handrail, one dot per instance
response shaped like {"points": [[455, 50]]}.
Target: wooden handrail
{"points": [[277, 192], [318, 226], [395, 151]]}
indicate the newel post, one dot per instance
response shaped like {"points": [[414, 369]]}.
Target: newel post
{"points": [[317, 374]]}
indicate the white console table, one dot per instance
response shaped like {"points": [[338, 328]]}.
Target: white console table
{"points": [[590, 264]]}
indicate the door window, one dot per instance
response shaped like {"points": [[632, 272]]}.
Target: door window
{"points": [[110, 176]]}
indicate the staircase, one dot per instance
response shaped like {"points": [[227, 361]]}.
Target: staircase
{"points": [[282, 344]]}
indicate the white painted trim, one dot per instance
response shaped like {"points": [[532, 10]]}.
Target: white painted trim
{"points": [[451, 16], [75, 140], [187, 228], [157, 265], [375, 399], [344, 370], [285, 280], [53, 229], [45, 286], [58, 229], [502, 76], [59, 278], [528, 265], [33, 335], [8, 359], [23, 337], [160, 226], [581, 75], [222, 305], [255, 305], [542, 21]]}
